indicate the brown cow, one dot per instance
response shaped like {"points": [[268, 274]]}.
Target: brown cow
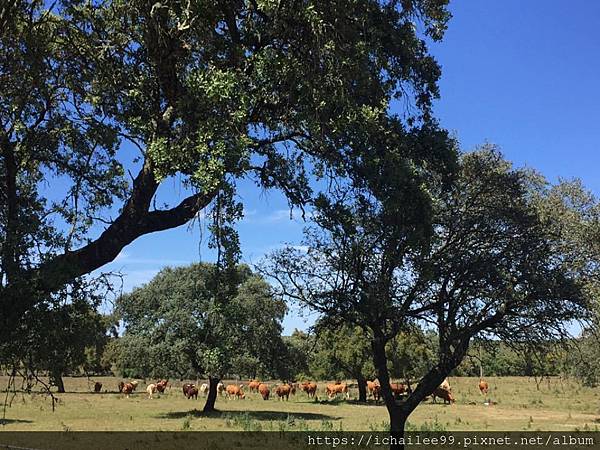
{"points": [[128, 388], [310, 387], [371, 386], [121, 385], [398, 389], [333, 390], [253, 385], [97, 386], [445, 385], [443, 394], [264, 391], [283, 390], [377, 392], [234, 391], [483, 387], [190, 390], [161, 385]]}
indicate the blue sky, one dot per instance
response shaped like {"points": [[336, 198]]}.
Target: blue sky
{"points": [[521, 74]]}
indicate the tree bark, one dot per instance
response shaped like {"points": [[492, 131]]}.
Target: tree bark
{"points": [[136, 219], [398, 420], [209, 406], [58, 381], [362, 388]]}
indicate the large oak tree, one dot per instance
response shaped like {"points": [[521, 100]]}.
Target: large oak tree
{"points": [[104, 101], [493, 263]]}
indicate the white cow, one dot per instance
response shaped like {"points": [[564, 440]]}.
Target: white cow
{"points": [[151, 389], [204, 389]]}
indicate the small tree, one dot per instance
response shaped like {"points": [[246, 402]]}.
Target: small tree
{"points": [[191, 320]]}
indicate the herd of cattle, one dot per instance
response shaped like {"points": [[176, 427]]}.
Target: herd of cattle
{"points": [[283, 391]]}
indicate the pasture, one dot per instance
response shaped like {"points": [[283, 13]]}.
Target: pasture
{"points": [[518, 405]]}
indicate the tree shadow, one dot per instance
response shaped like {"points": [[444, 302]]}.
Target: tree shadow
{"points": [[369, 402], [9, 421], [256, 415]]}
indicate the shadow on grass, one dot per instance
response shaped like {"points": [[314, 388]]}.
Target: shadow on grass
{"points": [[369, 402], [9, 421], [256, 415]]}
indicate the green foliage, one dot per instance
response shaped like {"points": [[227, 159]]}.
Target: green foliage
{"points": [[341, 352], [294, 361], [191, 321], [410, 353], [476, 257]]}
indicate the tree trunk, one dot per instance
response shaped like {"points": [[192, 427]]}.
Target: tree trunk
{"points": [[58, 381], [362, 389], [209, 406]]}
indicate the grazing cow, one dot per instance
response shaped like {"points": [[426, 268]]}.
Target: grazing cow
{"points": [[283, 390], [128, 388], [333, 390], [121, 385], [253, 385], [220, 388], [398, 389], [151, 389], [483, 387], [97, 386], [443, 394], [190, 390], [264, 391], [235, 392], [310, 387], [204, 389], [161, 385], [376, 392], [445, 385], [371, 386]]}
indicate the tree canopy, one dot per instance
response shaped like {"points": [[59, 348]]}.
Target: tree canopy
{"points": [[490, 264], [187, 321], [111, 99]]}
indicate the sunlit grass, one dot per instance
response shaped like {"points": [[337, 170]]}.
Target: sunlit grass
{"points": [[516, 404]]}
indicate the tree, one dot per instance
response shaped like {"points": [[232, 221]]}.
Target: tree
{"points": [[59, 333], [343, 350], [491, 265], [409, 354], [203, 92], [294, 362], [193, 320]]}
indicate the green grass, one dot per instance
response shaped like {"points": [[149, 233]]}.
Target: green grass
{"points": [[518, 405]]}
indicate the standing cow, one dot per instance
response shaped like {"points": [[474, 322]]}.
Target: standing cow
{"points": [[310, 387], [264, 391], [235, 392], [283, 390], [151, 390], [190, 390], [332, 390], [253, 385], [483, 387]]}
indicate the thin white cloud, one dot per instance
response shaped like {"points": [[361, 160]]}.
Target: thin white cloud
{"points": [[277, 216], [127, 258]]}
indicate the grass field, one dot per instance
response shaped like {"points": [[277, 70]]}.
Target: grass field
{"points": [[519, 405]]}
